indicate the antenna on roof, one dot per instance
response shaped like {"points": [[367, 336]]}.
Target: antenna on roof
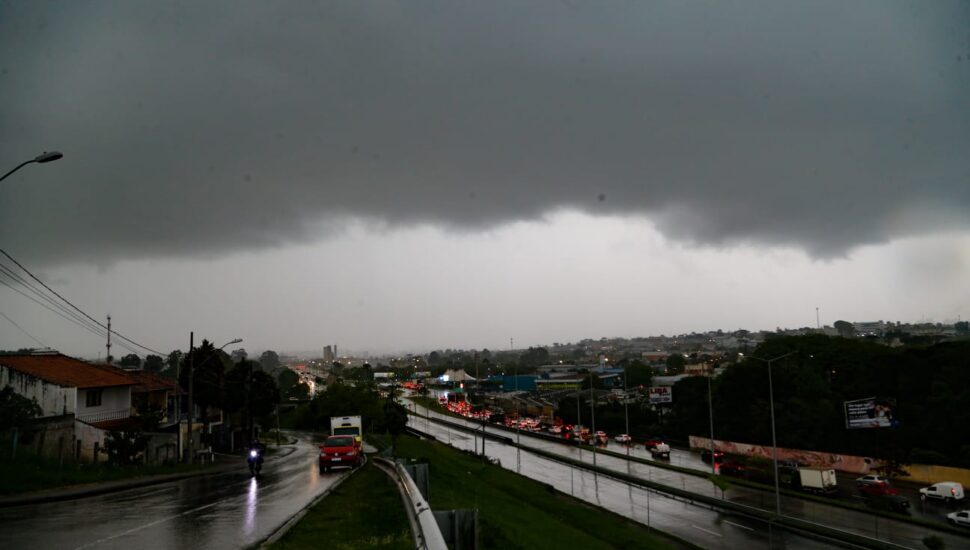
{"points": [[107, 358]]}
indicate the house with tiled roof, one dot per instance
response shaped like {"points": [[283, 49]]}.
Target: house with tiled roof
{"points": [[63, 385]]}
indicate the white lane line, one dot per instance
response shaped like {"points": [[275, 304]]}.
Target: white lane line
{"points": [[706, 530], [738, 525], [147, 525]]}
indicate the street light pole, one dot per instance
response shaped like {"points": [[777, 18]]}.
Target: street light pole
{"points": [[592, 414], [189, 456], [710, 411], [39, 159], [774, 440]]}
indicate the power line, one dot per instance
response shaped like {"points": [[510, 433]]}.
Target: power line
{"points": [[73, 319], [4, 270], [22, 329], [68, 302]]}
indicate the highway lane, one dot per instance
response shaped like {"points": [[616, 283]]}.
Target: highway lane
{"points": [[229, 510], [853, 521], [699, 525]]}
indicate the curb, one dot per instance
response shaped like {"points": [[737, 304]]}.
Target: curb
{"points": [[280, 532]]}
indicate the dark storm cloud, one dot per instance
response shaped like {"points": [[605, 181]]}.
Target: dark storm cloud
{"points": [[192, 129]]}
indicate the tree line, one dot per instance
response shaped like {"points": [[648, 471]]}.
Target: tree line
{"points": [[929, 384]]}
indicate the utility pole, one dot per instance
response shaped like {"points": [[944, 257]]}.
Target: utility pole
{"points": [[592, 414], [818, 324], [188, 457], [710, 411], [107, 358]]}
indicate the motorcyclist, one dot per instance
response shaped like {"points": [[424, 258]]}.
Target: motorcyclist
{"points": [[254, 453]]}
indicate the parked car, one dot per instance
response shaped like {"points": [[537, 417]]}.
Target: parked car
{"points": [[947, 491], [871, 479], [959, 518], [706, 456], [623, 438], [340, 450]]}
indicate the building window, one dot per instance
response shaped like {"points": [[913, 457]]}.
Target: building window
{"points": [[93, 398]]}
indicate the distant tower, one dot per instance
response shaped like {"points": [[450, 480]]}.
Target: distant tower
{"points": [[335, 354]]}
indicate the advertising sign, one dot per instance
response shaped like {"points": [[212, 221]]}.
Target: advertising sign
{"points": [[422, 374], [871, 412], [383, 375], [661, 394]]}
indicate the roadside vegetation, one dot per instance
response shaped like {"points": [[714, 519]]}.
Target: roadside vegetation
{"points": [[28, 472], [517, 512], [365, 511]]}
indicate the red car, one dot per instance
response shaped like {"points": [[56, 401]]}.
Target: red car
{"points": [[652, 442], [878, 489], [340, 450]]}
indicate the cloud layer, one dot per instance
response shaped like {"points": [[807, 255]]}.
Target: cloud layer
{"points": [[194, 130]]}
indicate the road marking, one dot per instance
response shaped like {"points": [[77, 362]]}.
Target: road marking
{"points": [[706, 531], [147, 525], [738, 525]]}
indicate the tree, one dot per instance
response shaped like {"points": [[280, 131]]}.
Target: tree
{"points": [[638, 374], [270, 360], [962, 327], [131, 360], [675, 363], [154, 364], [286, 380], [124, 448], [238, 355], [16, 411], [434, 358], [209, 376], [845, 328], [250, 391]]}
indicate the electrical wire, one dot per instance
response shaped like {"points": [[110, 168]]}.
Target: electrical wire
{"points": [[4, 270], [22, 329], [68, 302]]}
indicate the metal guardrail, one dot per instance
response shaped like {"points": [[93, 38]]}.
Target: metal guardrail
{"points": [[427, 534]]}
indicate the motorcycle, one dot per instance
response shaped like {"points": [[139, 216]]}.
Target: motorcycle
{"points": [[255, 461]]}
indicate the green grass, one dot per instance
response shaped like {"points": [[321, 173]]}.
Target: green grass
{"points": [[365, 511], [29, 473], [517, 512]]}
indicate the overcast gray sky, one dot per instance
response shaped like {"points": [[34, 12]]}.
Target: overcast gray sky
{"points": [[439, 174]]}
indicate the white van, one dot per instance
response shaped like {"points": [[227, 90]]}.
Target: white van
{"points": [[947, 491]]}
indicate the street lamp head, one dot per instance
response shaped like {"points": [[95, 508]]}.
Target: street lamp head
{"points": [[48, 157], [236, 341]]}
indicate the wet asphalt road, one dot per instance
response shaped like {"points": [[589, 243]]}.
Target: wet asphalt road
{"points": [[858, 522], [699, 525], [229, 510]]}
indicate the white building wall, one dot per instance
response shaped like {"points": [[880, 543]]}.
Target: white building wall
{"points": [[54, 400], [115, 403]]}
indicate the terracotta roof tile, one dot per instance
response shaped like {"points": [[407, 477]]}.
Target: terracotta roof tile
{"points": [[66, 371], [148, 382]]}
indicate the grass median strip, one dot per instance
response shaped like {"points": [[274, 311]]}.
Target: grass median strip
{"points": [[517, 512], [365, 511]]}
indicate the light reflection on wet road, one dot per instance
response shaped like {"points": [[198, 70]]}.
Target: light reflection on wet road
{"points": [[229, 510]]}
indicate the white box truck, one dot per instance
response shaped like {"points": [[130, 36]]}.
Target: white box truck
{"points": [[818, 480], [347, 425]]}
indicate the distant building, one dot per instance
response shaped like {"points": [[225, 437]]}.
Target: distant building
{"points": [[328, 354]]}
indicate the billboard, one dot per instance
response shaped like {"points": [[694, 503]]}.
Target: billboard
{"points": [[661, 394], [422, 374], [871, 412], [383, 375]]}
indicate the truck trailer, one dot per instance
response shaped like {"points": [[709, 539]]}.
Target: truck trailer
{"points": [[347, 425]]}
